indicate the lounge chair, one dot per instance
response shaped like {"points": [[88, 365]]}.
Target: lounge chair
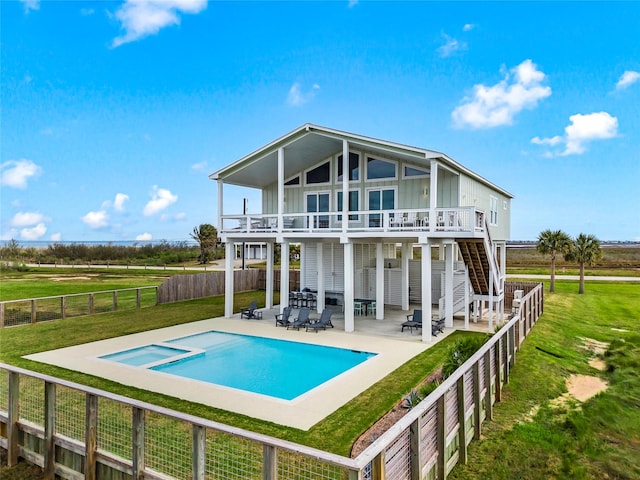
{"points": [[437, 326], [413, 321], [251, 311], [302, 320], [323, 322], [282, 319]]}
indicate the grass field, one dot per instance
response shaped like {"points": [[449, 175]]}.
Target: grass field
{"points": [[529, 438]]}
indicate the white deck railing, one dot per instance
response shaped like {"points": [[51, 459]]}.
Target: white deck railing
{"points": [[468, 220]]}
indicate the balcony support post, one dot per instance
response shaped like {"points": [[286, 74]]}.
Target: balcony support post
{"points": [[426, 287]]}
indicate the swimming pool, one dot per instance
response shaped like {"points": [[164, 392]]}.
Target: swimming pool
{"points": [[277, 368]]}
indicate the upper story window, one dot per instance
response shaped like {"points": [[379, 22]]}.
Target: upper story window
{"points": [[354, 167], [319, 174], [493, 210], [354, 204], [378, 169], [409, 171], [293, 182]]}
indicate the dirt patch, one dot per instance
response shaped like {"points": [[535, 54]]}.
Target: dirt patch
{"points": [[63, 279], [598, 364], [594, 346], [619, 330], [388, 420], [583, 387]]}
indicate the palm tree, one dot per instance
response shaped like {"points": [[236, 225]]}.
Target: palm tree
{"points": [[553, 242], [585, 249], [207, 237]]}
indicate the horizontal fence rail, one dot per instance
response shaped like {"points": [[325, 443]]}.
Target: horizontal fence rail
{"points": [[74, 432], [32, 310]]}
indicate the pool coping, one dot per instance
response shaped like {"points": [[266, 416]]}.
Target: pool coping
{"points": [[302, 412]]}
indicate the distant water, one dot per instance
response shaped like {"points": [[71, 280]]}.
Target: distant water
{"points": [[95, 243]]}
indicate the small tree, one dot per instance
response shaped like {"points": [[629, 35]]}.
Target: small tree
{"points": [[207, 237], [585, 250], [553, 242]]}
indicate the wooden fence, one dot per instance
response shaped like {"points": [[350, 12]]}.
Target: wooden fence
{"points": [[77, 432], [198, 285], [32, 310]]}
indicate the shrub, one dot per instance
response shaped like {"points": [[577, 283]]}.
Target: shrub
{"points": [[460, 352]]}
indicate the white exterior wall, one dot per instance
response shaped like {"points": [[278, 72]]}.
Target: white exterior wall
{"points": [[474, 193]]}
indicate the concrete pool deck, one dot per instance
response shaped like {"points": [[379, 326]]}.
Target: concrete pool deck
{"points": [[302, 412]]}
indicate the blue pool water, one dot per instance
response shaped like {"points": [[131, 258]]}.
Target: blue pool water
{"points": [[277, 368], [144, 355]]}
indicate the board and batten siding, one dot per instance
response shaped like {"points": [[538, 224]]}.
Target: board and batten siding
{"points": [[474, 193]]}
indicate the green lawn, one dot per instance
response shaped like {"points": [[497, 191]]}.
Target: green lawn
{"points": [[336, 433], [529, 438], [47, 282]]}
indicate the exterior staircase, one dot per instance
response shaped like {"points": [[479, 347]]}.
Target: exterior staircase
{"points": [[479, 256]]}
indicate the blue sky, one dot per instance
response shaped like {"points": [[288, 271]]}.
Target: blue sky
{"points": [[115, 113]]}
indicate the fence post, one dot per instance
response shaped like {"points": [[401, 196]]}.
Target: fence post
{"points": [[63, 307], [49, 430], [12, 419], [477, 401], [269, 462], [91, 437], [199, 449], [488, 405], [115, 300], [2, 315], [377, 467], [137, 298], [462, 427], [498, 359], [34, 311], [441, 425], [415, 440], [137, 433], [91, 304]]}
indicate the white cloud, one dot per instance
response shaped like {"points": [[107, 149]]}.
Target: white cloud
{"points": [[468, 27], [627, 79], [15, 173], [161, 198], [31, 5], [144, 237], [96, 220], [26, 219], [297, 98], [33, 233], [140, 18], [118, 203], [496, 105], [56, 237], [200, 166], [178, 217], [582, 130], [451, 46]]}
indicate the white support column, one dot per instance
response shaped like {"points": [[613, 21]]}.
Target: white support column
{"points": [[426, 289], [345, 186], [433, 195], [467, 287], [268, 302], [284, 272], [379, 282], [229, 256], [448, 280], [320, 266], [349, 320], [220, 205], [405, 275], [280, 188]]}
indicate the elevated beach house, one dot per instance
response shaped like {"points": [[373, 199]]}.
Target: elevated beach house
{"points": [[402, 226]]}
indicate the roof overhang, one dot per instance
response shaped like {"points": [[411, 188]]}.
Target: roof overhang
{"points": [[309, 144]]}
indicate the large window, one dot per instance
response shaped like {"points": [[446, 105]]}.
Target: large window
{"points": [[319, 174], [318, 202], [381, 169], [493, 210], [354, 204], [409, 171], [380, 199], [354, 167]]}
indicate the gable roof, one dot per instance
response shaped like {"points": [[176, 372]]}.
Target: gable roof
{"points": [[307, 144]]}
